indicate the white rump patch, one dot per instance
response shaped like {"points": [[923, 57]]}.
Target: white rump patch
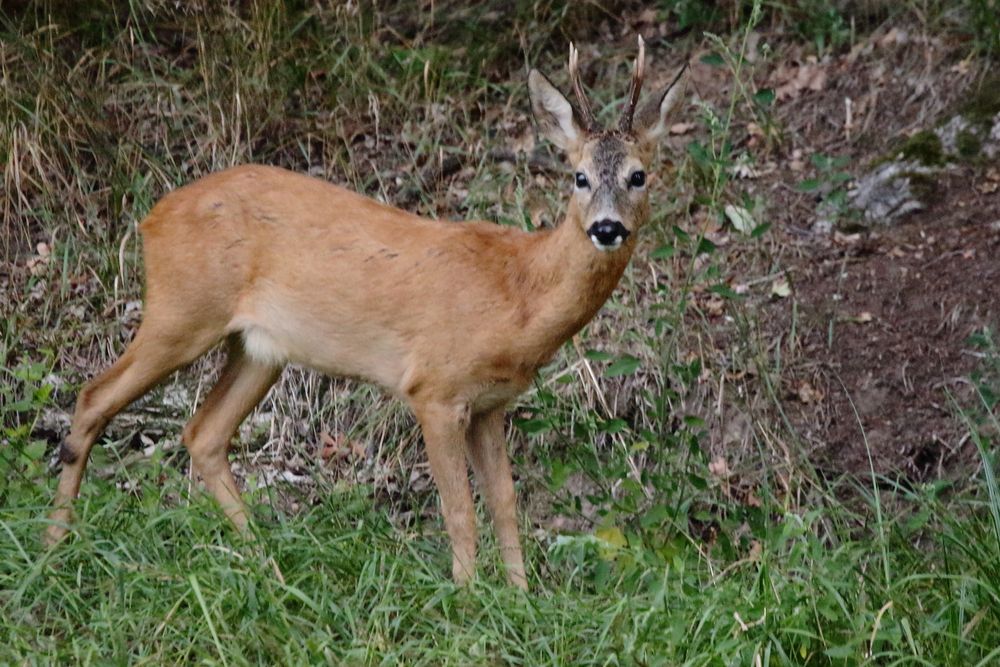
{"points": [[262, 348]]}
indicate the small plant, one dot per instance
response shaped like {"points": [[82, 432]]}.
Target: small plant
{"points": [[983, 21], [829, 186], [24, 393]]}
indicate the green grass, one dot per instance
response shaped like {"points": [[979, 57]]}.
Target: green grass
{"points": [[637, 552], [152, 579]]}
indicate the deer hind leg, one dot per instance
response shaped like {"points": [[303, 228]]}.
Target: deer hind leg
{"points": [[445, 429], [488, 455], [152, 355], [242, 385]]}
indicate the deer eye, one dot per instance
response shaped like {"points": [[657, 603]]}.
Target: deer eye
{"points": [[637, 179], [581, 181]]}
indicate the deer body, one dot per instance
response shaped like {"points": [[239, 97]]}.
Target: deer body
{"points": [[452, 318], [310, 273]]}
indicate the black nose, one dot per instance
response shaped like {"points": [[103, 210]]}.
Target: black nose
{"points": [[608, 233]]}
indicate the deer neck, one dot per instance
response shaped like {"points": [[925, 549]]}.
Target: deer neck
{"points": [[569, 281]]}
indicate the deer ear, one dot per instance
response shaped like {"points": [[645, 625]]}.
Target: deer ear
{"points": [[651, 121], [553, 112]]}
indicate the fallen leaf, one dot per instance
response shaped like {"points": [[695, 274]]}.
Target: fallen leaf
{"points": [[845, 239], [358, 450], [332, 447], [714, 305], [741, 219], [808, 394], [707, 224], [894, 36], [962, 66], [719, 468], [793, 80], [780, 288]]}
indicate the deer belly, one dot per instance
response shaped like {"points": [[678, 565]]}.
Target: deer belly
{"points": [[340, 351]]}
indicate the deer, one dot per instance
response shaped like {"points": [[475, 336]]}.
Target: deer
{"points": [[453, 318]]}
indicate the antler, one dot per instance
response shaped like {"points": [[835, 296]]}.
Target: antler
{"points": [[634, 87], [587, 116]]}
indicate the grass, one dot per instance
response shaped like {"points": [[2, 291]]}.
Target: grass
{"points": [[144, 584], [641, 548]]}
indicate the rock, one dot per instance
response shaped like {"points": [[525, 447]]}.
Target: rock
{"points": [[908, 182], [891, 191], [991, 148]]}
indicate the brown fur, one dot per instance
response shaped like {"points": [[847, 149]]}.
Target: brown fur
{"points": [[454, 319]]}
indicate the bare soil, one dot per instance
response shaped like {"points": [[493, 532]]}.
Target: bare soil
{"points": [[884, 321], [881, 318]]}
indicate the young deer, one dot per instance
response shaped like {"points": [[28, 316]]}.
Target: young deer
{"points": [[453, 319]]}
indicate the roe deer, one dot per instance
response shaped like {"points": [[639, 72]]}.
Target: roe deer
{"points": [[452, 318]]}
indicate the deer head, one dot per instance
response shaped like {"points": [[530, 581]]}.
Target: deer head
{"points": [[609, 201]]}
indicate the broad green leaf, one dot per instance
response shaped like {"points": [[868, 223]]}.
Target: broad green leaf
{"points": [[625, 365]]}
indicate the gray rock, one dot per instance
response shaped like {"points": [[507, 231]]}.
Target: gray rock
{"points": [[887, 193]]}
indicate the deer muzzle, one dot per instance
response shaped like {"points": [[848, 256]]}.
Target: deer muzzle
{"points": [[607, 234]]}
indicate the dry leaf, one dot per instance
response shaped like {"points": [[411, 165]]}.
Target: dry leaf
{"points": [[793, 80], [358, 450], [741, 219], [846, 239], [894, 36], [523, 143], [796, 163], [719, 468], [715, 305], [962, 66], [780, 288], [332, 447], [681, 128], [707, 224], [808, 394]]}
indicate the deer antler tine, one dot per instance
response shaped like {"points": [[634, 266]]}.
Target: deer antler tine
{"points": [[633, 92], [587, 116]]}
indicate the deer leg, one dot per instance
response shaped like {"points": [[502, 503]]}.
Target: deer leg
{"points": [[242, 385], [445, 429], [488, 455], [150, 357]]}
